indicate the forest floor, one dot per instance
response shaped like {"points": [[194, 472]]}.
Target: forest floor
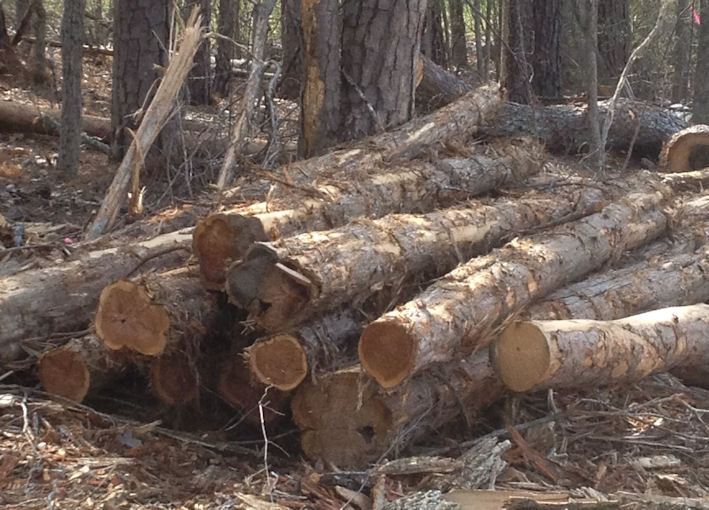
{"points": [[631, 446]]}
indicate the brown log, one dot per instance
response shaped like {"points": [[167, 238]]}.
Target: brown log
{"points": [[223, 238], [81, 366], [695, 180], [347, 421], [283, 283], [36, 304], [283, 360], [17, 117], [686, 150], [174, 379], [562, 128], [438, 87], [533, 355], [459, 312], [155, 313]]}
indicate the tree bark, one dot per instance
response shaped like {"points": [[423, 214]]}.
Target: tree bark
{"points": [[293, 76], [21, 7], [345, 420], [62, 298], [545, 59], [562, 128], [438, 87], [80, 367], [433, 44], [380, 48], [686, 150], [286, 282], [682, 52], [221, 239], [228, 26], [459, 312], [72, 32], [534, 355], [480, 60], [199, 81], [459, 50], [700, 110], [38, 55], [155, 314], [320, 113], [517, 49], [615, 39]]}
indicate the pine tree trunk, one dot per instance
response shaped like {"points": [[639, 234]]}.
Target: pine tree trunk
{"points": [[438, 87], [480, 61], [459, 50], [293, 75], [141, 30], [516, 70], [700, 110], [72, 33], [459, 312], [21, 7], [682, 50], [320, 114], [379, 85], [40, 71], [199, 81], [432, 42], [228, 26], [615, 39], [545, 59]]}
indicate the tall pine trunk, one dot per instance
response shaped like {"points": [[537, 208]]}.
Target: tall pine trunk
{"points": [[615, 39], [292, 78], [701, 84], [545, 60], [199, 80], [680, 75], [228, 26], [72, 35], [459, 52], [433, 44]]}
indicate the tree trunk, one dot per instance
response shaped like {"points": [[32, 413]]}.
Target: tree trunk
{"points": [[221, 239], [686, 150], [345, 420], [63, 298], [615, 39], [228, 26], [141, 31], [40, 71], [459, 50], [294, 75], [545, 60], [286, 282], [588, 13], [155, 314], [199, 80], [459, 312], [563, 128], [21, 7], [517, 70], [480, 61], [320, 113], [72, 33], [380, 48], [535, 355], [682, 52], [700, 110], [438, 87], [79, 368], [432, 42], [4, 37]]}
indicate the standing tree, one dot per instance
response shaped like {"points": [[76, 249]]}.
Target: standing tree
{"points": [[480, 60], [380, 47], [459, 51], [40, 70], [700, 113], [141, 31], [21, 7], [433, 43], [72, 35], [682, 49], [545, 59], [587, 14], [199, 80], [228, 27], [292, 44], [615, 39]]}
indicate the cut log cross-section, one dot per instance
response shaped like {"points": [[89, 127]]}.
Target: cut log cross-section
{"points": [[686, 150], [417, 187], [173, 379], [155, 313], [283, 283], [531, 355], [460, 311]]}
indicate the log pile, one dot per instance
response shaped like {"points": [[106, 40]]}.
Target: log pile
{"points": [[385, 290]]}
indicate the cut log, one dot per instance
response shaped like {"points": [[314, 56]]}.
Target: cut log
{"points": [[686, 150], [223, 238], [62, 298], [696, 180], [257, 401], [17, 117], [81, 366], [459, 312], [174, 379], [562, 128], [345, 420], [156, 313], [532, 355], [284, 360], [283, 283], [438, 87]]}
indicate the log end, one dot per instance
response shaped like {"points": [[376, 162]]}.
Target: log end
{"points": [[521, 356], [686, 150], [221, 239], [279, 361], [65, 372], [127, 318], [173, 380], [387, 351]]}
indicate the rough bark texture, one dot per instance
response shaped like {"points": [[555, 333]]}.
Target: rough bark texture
{"points": [[459, 312], [533, 355], [80, 367], [681, 53], [516, 72], [320, 115], [562, 128], [38, 54], [344, 419], [686, 150], [459, 51], [63, 297], [545, 59], [155, 313], [347, 265], [72, 33], [199, 81], [615, 39], [433, 44], [221, 239], [323, 345], [228, 26], [141, 30], [438, 87], [380, 47], [596, 147], [293, 76], [700, 109]]}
